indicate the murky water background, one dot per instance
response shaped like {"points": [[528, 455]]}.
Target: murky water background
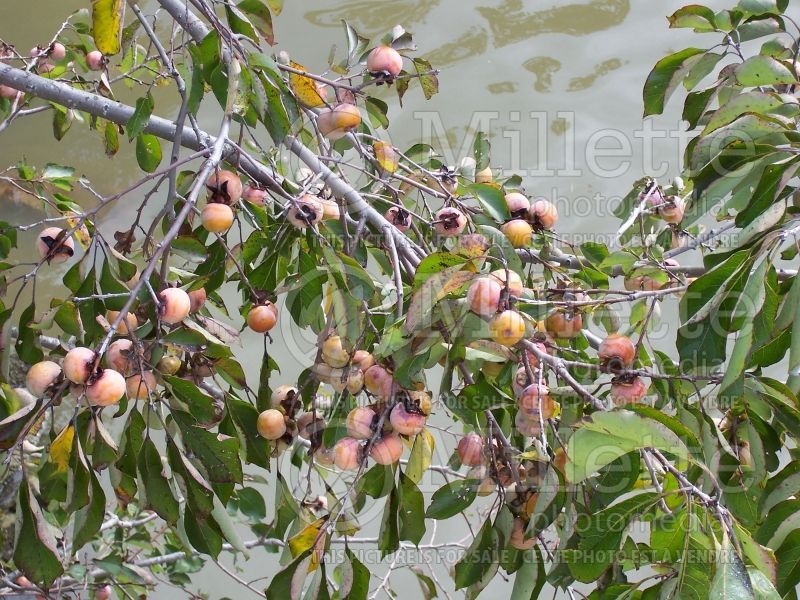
{"points": [[548, 81]]}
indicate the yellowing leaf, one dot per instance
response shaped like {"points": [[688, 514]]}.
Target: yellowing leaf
{"points": [[305, 88], [81, 233], [435, 288], [107, 25], [386, 156], [306, 539], [61, 448], [421, 454]]}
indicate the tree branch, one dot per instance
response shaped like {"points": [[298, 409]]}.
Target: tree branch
{"points": [[119, 113]]}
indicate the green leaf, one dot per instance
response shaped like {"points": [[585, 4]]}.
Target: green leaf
{"points": [[701, 69], [26, 346], [62, 121], [788, 555], [198, 493], [606, 436], [451, 499], [750, 303], [492, 200], [13, 425], [276, 118], [411, 511], [189, 248], [89, 518], [288, 582], [665, 77], [668, 536], [731, 581], [763, 70], [721, 150], [111, 138], [239, 22], [260, 17], [481, 150], [251, 504], [603, 536], [434, 263], [473, 400], [107, 25], [762, 586], [377, 110], [753, 101], [157, 491], [78, 477], [759, 7], [756, 554], [140, 117], [53, 171], [232, 372], [427, 79], [770, 187], [696, 564], [388, 534], [148, 152], [109, 284], [478, 558], [227, 526], [794, 349], [377, 481], [201, 405], [35, 552], [530, 577], [356, 44], [695, 105], [245, 416], [699, 18], [218, 454], [355, 578]]}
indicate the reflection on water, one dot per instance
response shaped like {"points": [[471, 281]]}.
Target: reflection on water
{"points": [[371, 18], [605, 67], [559, 126], [509, 23], [472, 43], [543, 68], [502, 87]]}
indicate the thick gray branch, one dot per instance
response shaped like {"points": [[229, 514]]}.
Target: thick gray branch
{"points": [[116, 112]]}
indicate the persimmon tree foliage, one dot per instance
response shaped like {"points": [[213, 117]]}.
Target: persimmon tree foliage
{"points": [[141, 448]]}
